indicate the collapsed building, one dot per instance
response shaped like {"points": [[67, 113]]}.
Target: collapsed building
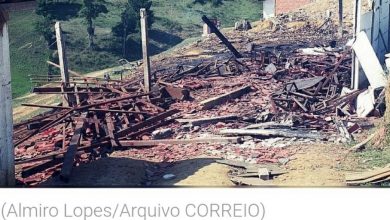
{"points": [[246, 98]]}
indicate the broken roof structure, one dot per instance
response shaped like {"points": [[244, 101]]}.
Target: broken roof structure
{"points": [[245, 97]]}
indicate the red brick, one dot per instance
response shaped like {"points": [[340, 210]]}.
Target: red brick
{"points": [[284, 6]]}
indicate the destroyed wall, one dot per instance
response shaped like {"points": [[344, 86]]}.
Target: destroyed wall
{"points": [[268, 9], [375, 24], [284, 6]]}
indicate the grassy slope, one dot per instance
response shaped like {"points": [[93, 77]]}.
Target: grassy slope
{"points": [[28, 51], [175, 21]]}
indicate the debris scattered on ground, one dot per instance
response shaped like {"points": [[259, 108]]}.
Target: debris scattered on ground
{"points": [[245, 174], [247, 99]]}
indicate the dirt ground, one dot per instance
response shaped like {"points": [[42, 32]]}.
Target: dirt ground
{"points": [[313, 166]]}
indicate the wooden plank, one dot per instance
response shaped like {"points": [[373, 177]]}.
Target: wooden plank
{"points": [[341, 18], [97, 125], [69, 90], [147, 143], [387, 179], [46, 106], [110, 101], [111, 130], [149, 129], [41, 167], [63, 63], [71, 151], [273, 133], [225, 41], [146, 123], [119, 111], [366, 175], [212, 102], [376, 178], [271, 125], [210, 120], [62, 54]]}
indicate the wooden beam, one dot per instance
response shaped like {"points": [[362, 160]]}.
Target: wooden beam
{"points": [[221, 37], [7, 167], [62, 53], [70, 71], [212, 102], [63, 62], [147, 143], [146, 123], [119, 111], [267, 133], [145, 51], [210, 120], [46, 106], [341, 18], [72, 149]]}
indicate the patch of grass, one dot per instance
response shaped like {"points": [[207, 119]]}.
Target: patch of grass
{"points": [[28, 51], [374, 158]]}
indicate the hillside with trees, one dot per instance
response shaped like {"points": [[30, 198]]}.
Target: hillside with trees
{"points": [[98, 33]]}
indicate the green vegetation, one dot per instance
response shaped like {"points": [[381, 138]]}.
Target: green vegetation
{"points": [[28, 51], [130, 22], [174, 21], [374, 157], [91, 9]]}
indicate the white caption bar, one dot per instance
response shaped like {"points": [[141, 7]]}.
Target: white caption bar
{"points": [[183, 204]]}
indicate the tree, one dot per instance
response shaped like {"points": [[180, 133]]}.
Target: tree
{"points": [[44, 26], [90, 10], [130, 20], [50, 11], [215, 3]]}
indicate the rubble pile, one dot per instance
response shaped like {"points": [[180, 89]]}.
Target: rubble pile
{"points": [[249, 106]]}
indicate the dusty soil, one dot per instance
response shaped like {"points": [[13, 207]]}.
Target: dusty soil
{"points": [[106, 172], [203, 173], [313, 166], [316, 165]]}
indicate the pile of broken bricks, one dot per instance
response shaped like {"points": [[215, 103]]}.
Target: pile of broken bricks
{"points": [[248, 108]]}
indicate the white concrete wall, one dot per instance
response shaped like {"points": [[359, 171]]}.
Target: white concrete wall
{"points": [[7, 168], [268, 9], [376, 24]]}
